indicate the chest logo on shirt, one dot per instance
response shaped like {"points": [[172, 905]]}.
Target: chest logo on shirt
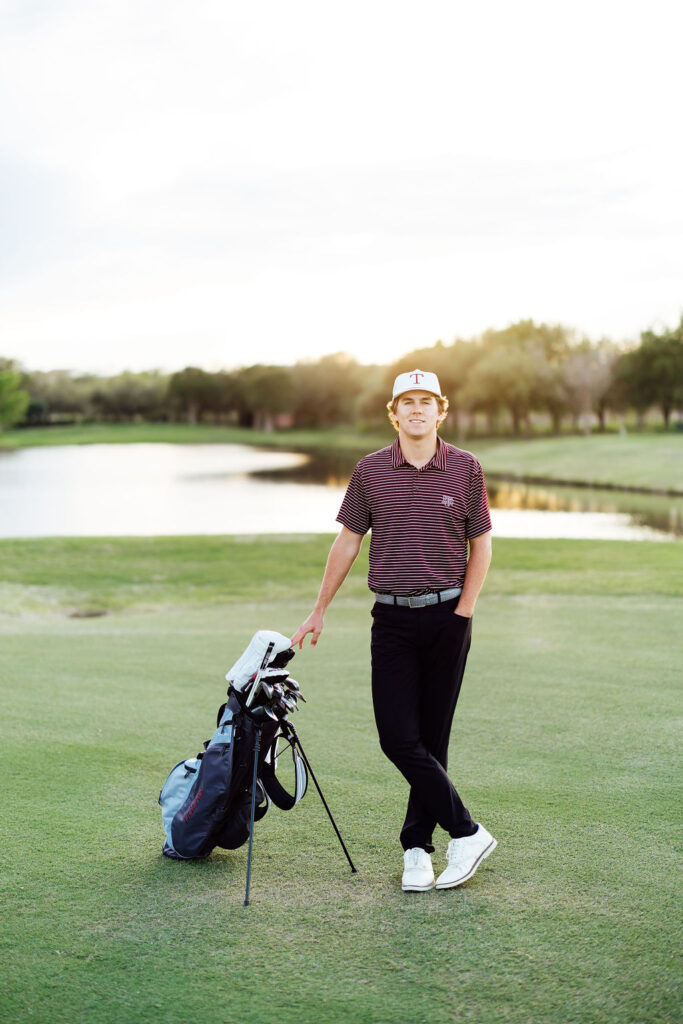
{"points": [[447, 501]]}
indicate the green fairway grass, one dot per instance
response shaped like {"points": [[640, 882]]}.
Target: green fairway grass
{"points": [[642, 461], [564, 746]]}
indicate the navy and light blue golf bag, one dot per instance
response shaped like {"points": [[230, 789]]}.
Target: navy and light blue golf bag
{"points": [[207, 800]]}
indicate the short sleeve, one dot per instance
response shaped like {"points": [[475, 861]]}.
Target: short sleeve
{"points": [[355, 511], [478, 515]]}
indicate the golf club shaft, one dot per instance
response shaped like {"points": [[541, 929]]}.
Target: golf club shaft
{"points": [[257, 682], [257, 747], [329, 812]]}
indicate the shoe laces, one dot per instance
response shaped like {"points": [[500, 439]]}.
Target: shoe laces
{"points": [[414, 857], [454, 852]]}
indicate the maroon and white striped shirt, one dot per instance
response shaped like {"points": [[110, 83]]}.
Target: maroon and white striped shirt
{"points": [[421, 519]]}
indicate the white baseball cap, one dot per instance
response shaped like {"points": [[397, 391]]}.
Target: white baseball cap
{"points": [[416, 380]]}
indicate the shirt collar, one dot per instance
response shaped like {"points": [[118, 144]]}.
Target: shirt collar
{"points": [[438, 460]]}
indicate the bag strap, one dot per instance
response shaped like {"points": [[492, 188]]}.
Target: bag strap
{"points": [[277, 792], [262, 801]]}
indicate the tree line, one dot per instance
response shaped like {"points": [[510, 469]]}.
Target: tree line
{"points": [[500, 381]]}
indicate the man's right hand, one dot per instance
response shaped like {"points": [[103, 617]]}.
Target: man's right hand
{"points": [[314, 625], [340, 559]]}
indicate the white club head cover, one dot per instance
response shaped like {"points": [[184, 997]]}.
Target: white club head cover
{"points": [[242, 672]]}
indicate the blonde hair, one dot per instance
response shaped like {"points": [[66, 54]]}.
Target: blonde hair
{"points": [[441, 401]]}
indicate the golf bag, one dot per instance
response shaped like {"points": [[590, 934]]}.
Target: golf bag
{"points": [[215, 798], [206, 800]]}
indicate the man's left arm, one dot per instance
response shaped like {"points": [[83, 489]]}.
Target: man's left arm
{"points": [[475, 574]]}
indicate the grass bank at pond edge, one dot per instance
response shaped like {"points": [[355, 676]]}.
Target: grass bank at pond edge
{"points": [[642, 461], [563, 745], [639, 461], [344, 438]]}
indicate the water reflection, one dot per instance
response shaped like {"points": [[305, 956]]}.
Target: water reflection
{"points": [[160, 489], [631, 514], [649, 511]]}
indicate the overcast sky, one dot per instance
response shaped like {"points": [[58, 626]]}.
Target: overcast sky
{"points": [[219, 183]]}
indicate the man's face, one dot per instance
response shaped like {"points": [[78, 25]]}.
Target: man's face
{"points": [[417, 413]]}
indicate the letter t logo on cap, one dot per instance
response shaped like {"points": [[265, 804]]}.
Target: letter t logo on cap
{"points": [[418, 380]]}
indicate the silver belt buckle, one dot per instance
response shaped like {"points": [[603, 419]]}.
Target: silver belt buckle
{"points": [[411, 599]]}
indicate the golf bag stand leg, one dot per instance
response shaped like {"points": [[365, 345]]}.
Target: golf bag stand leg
{"points": [[257, 747], [297, 741]]}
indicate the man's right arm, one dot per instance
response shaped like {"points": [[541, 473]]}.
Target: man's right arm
{"points": [[340, 559]]}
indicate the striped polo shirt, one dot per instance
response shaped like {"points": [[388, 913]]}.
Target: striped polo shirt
{"points": [[421, 519]]}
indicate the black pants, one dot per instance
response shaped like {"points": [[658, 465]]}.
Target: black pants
{"points": [[418, 661]]}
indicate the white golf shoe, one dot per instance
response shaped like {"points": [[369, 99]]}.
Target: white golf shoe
{"points": [[418, 873], [464, 857]]}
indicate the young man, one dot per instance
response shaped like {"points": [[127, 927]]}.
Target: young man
{"points": [[426, 504]]}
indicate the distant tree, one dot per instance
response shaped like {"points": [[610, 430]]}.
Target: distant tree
{"points": [[192, 392], [59, 395], [371, 400], [263, 392], [588, 376], [604, 392], [664, 363], [630, 371], [540, 350], [14, 400], [550, 344], [130, 396], [36, 414], [652, 374], [327, 390], [549, 393], [503, 378]]}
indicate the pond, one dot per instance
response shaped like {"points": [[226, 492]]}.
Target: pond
{"points": [[160, 489]]}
